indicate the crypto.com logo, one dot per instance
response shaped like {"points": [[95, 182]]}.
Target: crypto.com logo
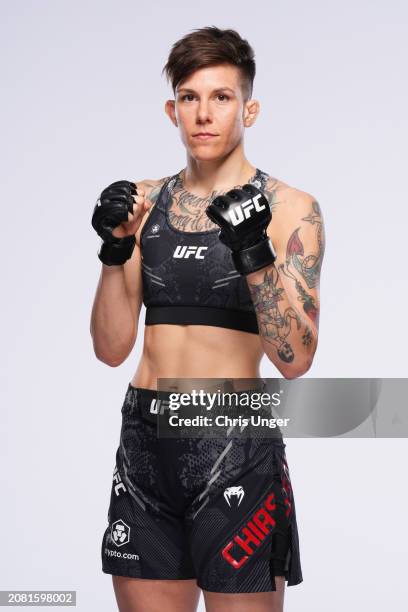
{"points": [[120, 533]]}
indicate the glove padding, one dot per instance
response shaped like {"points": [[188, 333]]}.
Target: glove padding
{"points": [[243, 216], [111, 209]]}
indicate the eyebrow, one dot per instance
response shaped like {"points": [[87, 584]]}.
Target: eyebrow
{"points": [[214, 91]]}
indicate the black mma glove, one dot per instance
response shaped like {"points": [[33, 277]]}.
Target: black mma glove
{"points": [[243, 216], [112, 209]]}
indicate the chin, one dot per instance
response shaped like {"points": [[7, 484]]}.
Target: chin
{"points": [[207, 155]]}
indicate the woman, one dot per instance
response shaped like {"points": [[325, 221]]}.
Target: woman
{"points": [[203, 513]]}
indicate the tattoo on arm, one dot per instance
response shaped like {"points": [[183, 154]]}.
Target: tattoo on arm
{"points": [[304, 270], [274, 325], [306, 266]]}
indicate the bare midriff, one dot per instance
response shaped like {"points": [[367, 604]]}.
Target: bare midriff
{"points": [[196, 352]]}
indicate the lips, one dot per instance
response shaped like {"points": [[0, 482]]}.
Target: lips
{"points": [[204, 136]]}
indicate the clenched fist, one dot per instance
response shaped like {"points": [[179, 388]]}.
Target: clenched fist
{"points": [[116, 218]]}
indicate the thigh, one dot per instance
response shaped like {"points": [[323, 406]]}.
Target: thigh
{"points": [[242, 525], [145, 537], [242, 602], [139, 595]]}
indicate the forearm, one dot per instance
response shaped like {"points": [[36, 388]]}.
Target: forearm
{"points": [[289, 337], [113, 323]]}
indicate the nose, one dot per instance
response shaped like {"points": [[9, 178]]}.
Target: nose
{"points": [[203, 112]]}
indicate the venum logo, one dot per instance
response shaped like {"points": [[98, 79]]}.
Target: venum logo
{"points": [[232, 492], [184, 252], [120, 533], [251, 536], [239, 213]]}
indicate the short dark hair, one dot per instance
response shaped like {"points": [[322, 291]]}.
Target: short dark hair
{"points": [[210, 46]]}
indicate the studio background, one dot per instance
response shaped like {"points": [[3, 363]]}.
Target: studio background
{"points": [[83, 105]]}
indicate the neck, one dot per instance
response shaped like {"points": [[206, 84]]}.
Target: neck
{"points": [[204, 177]]}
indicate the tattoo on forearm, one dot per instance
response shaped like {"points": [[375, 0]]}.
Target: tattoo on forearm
{"points": [[308, 267], [307, 337], [274, 326]]}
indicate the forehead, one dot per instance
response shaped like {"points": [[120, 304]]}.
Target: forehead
{"points": [[212, 77]]}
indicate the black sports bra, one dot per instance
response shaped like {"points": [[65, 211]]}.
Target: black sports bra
{"points": [[189, 277]]}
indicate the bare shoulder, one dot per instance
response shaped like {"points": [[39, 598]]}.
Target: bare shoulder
{"points": [[296, 216], [286, 200], [151, 188]]}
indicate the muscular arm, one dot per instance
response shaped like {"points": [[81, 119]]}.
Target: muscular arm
{"points": [[286, 294], [118, 299]]}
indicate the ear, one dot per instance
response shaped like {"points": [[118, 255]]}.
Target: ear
{"points": [[251, 111], [170, 110]]}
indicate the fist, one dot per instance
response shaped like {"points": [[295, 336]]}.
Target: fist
{"points": [[119, 211], [243, 216]]}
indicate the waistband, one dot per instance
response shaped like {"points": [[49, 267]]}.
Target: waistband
{"points": [[150, 403]]}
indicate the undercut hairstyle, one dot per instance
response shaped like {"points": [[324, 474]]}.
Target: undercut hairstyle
{"points": [[211, 46]]}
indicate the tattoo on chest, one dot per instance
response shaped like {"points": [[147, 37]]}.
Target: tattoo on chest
{"points": [[271, 192], [187, 211]]}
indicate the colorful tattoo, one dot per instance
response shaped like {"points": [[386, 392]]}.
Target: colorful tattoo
{"points": [[308, 267]]}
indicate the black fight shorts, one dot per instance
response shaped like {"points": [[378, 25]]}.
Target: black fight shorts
{"points": [[217, 510]]}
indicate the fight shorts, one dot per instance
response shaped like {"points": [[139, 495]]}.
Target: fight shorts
{"points": [[217, 510]]}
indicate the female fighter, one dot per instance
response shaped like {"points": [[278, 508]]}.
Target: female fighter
{"points": [[226, 259]]}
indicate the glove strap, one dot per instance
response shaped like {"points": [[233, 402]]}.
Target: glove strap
{"points": [[255, 257], [116, 253]]}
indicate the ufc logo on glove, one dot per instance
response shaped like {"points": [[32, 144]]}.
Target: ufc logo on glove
{"points": [[243, 216], [239, 213]]}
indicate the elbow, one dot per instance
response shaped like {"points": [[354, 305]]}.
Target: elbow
{"points": [[113, 358], [295, 370], [109, 359], [298, 367], [111, 362]]}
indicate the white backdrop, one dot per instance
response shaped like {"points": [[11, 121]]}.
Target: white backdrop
{"points": [[82, 106]]}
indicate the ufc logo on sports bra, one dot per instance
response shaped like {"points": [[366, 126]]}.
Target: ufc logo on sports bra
{"points": [[184, 252], [239, 213]]}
